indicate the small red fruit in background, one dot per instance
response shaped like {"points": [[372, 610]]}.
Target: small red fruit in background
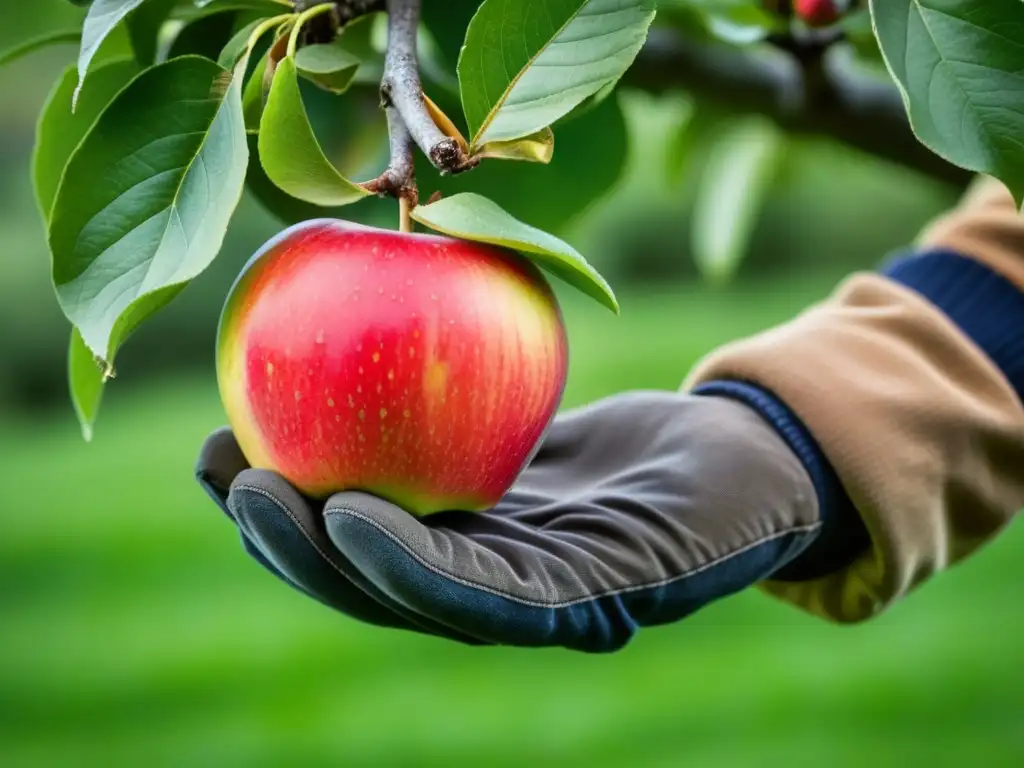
{"points": [[817, 13], [420, 368]]}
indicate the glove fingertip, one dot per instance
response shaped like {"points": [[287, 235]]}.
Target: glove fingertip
{"points": [[220, 460], [355, 527]]}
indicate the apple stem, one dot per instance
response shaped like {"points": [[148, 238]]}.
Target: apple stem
{"points": [[404, 215]]}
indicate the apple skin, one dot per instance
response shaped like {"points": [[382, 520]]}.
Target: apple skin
{"points": [[420, 368]]}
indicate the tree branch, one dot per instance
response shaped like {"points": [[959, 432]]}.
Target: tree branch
{"points": [[352, 9], [399, 179], [344, 10], [813, 89], [401, 88], [806, 85]]}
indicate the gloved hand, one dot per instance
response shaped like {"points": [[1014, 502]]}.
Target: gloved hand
{"points": [[637, 510]]}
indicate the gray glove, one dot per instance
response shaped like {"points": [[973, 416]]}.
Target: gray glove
{"points": [[637, 510]]}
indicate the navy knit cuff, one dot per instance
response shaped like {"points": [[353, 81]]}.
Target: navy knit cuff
{"points": [[987, 307], [843, 536]]}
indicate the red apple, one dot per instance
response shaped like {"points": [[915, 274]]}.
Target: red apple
{"points": [[419, 368], [817, 13]]}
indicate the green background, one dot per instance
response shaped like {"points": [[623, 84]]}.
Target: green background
{"points": [[134, 630]]}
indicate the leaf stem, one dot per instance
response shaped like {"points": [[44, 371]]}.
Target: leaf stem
{"points": [[36, 43], [300, 22], [401, 88], [263, 28]]}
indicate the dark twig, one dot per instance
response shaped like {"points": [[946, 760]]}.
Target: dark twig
{"points": [[324, 28], [816, 92], [803, 80], [401, 88], [399, 179], [348, 10], [344, 10]]}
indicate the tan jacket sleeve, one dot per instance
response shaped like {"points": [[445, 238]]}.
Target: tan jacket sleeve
{"points": [[924, 430]]}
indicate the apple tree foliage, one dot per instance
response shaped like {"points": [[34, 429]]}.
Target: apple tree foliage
{"points": [[144, 151]]}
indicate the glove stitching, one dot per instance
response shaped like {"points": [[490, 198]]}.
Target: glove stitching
{"points": [[284, 507], [807, 528]]}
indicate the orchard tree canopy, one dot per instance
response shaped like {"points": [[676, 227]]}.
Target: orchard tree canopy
{"points": [[172, 108]]}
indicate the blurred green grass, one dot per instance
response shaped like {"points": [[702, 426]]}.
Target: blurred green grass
{"points": [[135, 631]]}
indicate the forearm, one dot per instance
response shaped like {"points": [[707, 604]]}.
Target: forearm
{"points": [[911, 382]]}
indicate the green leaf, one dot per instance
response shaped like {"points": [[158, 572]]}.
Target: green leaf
{"points": [[960, 70], [739, 22], [290, 152], [204, 36], [198, 9], [242, 44], [237, 45], [59, 130], [146, 198], [100, 21], [328, 66], [253, 97], [537, 148], [144, 25], [85, 380], [289, 210], [472, 217], [525, 64], [736, 178], [36, 43]]}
